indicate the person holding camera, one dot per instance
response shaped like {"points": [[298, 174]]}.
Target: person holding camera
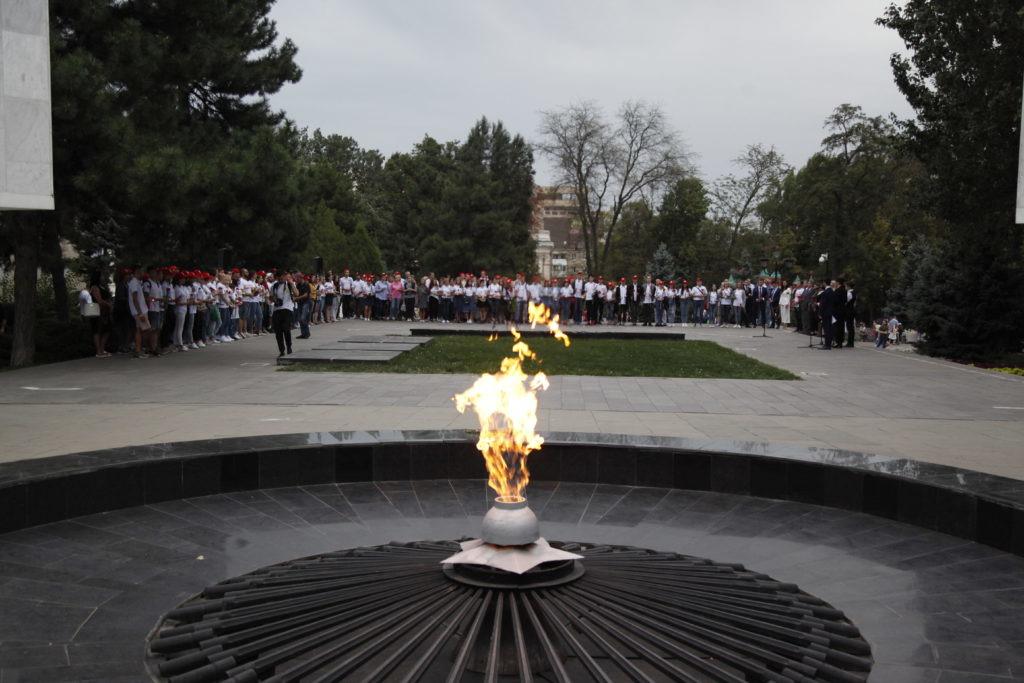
{"points": [[284, 295]]}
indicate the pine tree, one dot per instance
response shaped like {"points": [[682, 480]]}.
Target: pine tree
{"points": [[662, 264]]}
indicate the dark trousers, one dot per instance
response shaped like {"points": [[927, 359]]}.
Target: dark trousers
{"points": [[283, 329], [840, 330], [828, 330], [851, 324], [647, 314], [346, 306], [577, 314]]}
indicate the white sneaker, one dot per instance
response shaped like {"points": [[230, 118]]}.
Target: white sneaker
{"points": [[215, 340], [236, 337], [202, 345], [183, 348], [193, 346]]}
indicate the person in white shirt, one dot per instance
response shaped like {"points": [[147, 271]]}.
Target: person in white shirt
{"points": [[725, 304], [588, 299], [784, 301], [578, 294], [659, 303], [739, 302], [327, 294], [609, 300], [182, 294], [199, 314], [283, 295], [245, 286], [647, 302], [154, 289], [600, 291], [670, 303], [140, 313], [495, 292], [565, 300], [520, 296], [345, 283], [533, 290], [699, 295], [622, 301]]}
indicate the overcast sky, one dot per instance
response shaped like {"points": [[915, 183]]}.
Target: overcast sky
{"points": [[726, 72]]}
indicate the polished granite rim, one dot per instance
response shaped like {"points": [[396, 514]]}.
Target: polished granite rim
{"points": [[389, 611], [985, 508], [79, 597]]}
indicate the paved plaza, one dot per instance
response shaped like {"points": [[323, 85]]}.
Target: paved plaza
{"points": [[888, 402]]}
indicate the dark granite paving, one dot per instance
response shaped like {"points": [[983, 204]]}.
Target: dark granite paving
{"points": [[77, 598]]}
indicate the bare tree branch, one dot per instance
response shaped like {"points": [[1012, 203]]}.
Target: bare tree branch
{"points": [[735, 199], [610, 165]]}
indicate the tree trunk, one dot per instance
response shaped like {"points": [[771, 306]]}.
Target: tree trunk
{"points": [[26, 264]]}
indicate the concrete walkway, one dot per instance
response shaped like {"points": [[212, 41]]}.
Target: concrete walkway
{"points": [[889, 402]]}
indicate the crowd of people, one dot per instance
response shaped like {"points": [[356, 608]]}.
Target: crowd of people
{"points": [[162, 310]]}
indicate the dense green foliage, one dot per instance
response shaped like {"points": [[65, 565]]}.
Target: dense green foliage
{"points": [[461, 207], [963, 79], [601, 357]]}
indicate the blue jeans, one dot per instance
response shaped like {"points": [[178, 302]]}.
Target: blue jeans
{"points": [[659, 312], [563, 307], [578, 314], [520, 310], [394, 308], [305, 309]]}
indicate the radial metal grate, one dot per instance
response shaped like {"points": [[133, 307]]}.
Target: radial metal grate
{"points": [[388, 613]]}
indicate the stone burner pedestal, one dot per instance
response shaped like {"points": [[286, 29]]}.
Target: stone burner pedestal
{"points": [[510, 542]]}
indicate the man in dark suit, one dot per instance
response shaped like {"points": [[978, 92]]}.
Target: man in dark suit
{"points": [[827, 304], [840, 313], [776, 296], [851, 313]]}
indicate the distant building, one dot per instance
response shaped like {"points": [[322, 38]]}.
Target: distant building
{"points": [[556, 232]]}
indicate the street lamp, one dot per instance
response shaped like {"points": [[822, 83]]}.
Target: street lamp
{"points": [[828, 265]]}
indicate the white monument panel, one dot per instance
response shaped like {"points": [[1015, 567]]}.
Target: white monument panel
{"points": [[26, 138]]}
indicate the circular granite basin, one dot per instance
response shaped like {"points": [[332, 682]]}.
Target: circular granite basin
{"points": [[921, 559]]}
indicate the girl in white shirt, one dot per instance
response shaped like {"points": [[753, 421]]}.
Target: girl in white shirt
{"points": [[739, 296], [182, 294]]}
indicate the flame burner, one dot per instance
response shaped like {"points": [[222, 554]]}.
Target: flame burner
{"points": [[390, 613]]}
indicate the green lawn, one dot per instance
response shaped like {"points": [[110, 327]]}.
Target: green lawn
{"points": [[605, 357]]}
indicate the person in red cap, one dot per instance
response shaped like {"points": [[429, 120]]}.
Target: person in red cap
{"points": [[671, 294]]}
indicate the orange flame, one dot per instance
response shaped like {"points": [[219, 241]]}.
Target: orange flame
{"points": [[541, 314], [506, 405]]}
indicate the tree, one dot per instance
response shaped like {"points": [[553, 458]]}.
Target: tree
{"points": [[456, 207], [962, 76], [164, 139], [735, 199], [862, 199], [662, 265], [610, 164], [683, 210], [634, 241]]}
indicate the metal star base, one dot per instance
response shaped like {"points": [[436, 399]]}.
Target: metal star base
{"points": [[517, 559]]}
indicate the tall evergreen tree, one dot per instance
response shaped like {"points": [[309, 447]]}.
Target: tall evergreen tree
{"points": [[963, 79], [164, 139]]}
